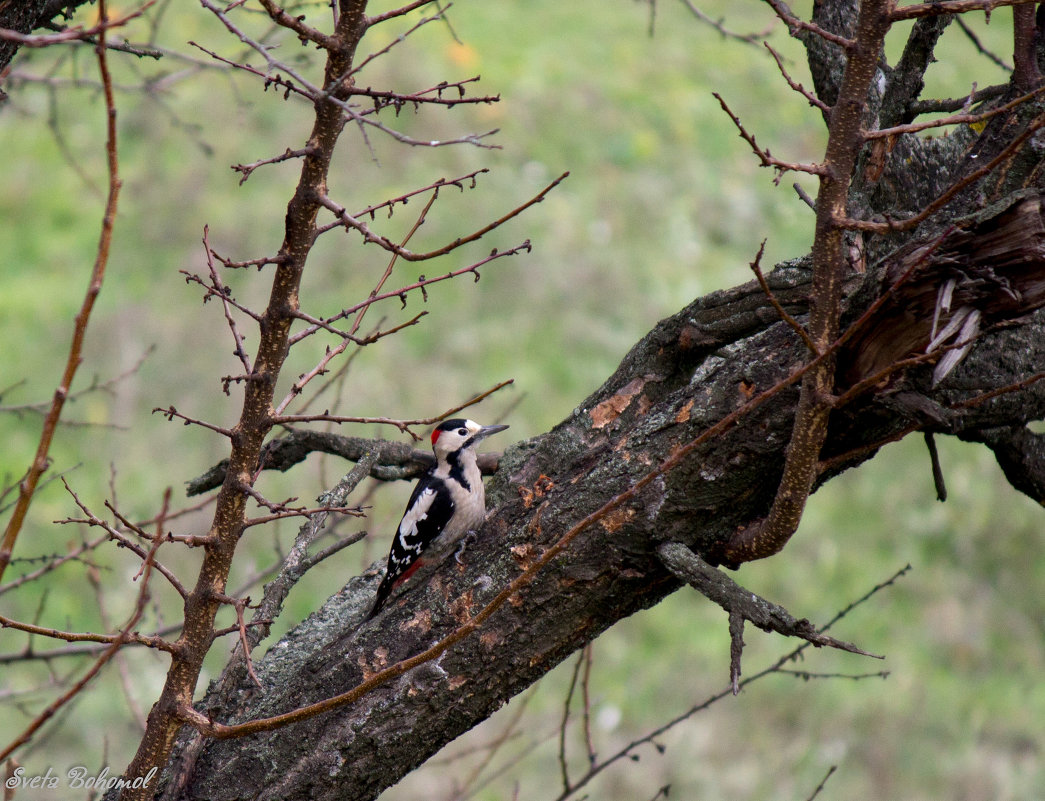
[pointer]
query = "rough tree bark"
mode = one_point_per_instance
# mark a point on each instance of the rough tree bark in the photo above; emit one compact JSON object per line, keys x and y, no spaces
{"x":689,"y":373}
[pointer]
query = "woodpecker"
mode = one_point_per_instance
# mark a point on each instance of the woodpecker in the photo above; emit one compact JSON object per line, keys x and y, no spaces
{"x":447,"y":503}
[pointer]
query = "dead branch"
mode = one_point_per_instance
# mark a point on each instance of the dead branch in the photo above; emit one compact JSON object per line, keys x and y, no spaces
{"x":743,"y":604}
{"x":776,"y":667}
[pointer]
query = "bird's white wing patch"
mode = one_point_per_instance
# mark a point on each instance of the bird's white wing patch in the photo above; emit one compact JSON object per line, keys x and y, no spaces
{"x":417,"y":512}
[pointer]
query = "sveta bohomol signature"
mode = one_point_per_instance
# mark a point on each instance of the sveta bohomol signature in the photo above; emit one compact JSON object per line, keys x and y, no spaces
{"x":77,"y":777}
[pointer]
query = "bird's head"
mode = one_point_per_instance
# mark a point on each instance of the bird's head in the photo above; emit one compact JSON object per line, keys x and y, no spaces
{"x":459,"y":434}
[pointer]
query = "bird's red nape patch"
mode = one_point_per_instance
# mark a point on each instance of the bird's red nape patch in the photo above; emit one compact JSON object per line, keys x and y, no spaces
{"x":435,"y":435}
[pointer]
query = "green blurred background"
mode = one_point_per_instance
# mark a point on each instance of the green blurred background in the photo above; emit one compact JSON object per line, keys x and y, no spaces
{"x":664,"y":203}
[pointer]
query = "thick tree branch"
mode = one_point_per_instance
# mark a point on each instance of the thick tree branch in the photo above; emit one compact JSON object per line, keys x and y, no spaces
{"x":688,"y":375}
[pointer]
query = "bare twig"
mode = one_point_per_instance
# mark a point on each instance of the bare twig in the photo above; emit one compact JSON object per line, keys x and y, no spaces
{"x":126,"y":633}
{"x":298,"y":26}
{"x":377,"y":19}
{"x":775,"y":667}
{"x":85,"y":636}
{"x":108,"y":386}
{"x":94,"y":579}
{"x":767,"y":159}
{"x":719,"y":25}
{"x":814,"y":101}
{"x":937,"y":7}
{"x":170,"y":413}
{"x":247,"y":169}
{"x":349,"y":221}
{"x":971,"y":35}
{"x":954,"y":119}
{"x":223,"y":293}
{"x":823,"y":782}
{"x":371,"y":211}
{"x":40,"y":461}
{"x":796,"y":25}
{"x":402,"y":425}
{"x":784,"y":315}
{"x":564,"y":723}
{"x":122,"y":539}
{"x":54,"y":562}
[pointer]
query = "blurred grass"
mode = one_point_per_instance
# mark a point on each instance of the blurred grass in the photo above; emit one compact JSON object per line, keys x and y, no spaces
{"x":664,"y":203}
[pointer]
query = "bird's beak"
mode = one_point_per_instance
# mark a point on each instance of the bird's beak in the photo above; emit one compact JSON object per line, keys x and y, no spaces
{"x":486,"y":431}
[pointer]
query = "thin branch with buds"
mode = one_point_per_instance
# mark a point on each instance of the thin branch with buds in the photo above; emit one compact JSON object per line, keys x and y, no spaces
{"x":247,"y":169}
{"x":126,"y":633}
{"x":28,"y":485}
{"x":122,"y":539}
{"x":349,"y":221}
{"x":767,"y":159}
{"x":814,"y":101}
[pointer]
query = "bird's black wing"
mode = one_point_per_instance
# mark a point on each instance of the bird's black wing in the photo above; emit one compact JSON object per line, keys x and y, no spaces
{"x":427,"y":512}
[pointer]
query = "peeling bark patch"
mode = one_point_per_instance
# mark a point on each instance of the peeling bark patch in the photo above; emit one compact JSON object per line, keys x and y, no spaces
{"x":683,"y":415}
{"x":457,"y":681}
{"x":377,"y":663}
{"x":617,"y":518}
{"x":460,"y":607}
{"x":747,"y":390}
{"x":490,"y":639}
{"x":541,"y":487}
{"x":692,"y":337}
{"x":644,"y":404}
{"x":524,"y":554}
{"x":611,"y":408}
{"x":422,"y":622}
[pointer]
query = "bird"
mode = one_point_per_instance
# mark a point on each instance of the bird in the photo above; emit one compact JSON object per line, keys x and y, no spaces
{"x":447,"y":503}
